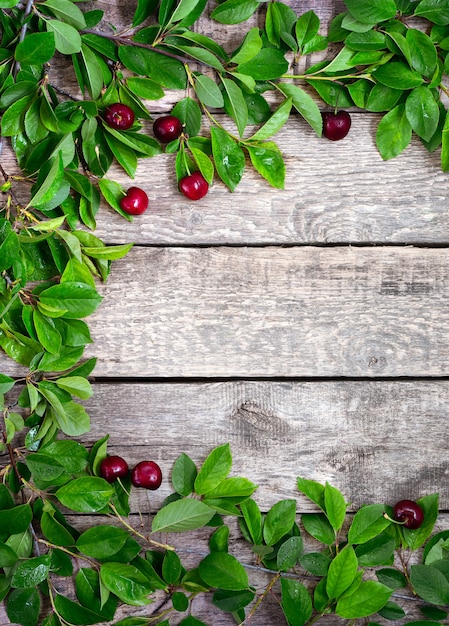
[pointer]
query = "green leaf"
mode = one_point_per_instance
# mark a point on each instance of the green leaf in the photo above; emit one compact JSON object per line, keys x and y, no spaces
{"x":367,"y":599}
{"x":7,"y":555}
{"x":422,"y":112}
{"x":444,"y":145}
{"x":392,"y":578}
{"x":423,"y":54}
{"x":279,"y":521}
{"x":76,"y":385}
{"x":47,"y":332}
{"x":335,"y":506}
{"x":102,"y":541}
{"x":183,"y":475}
{"x":234,"y":11}
{"x":74,"y":300}
{"x":171,"y":567}
{"x":204,"y":164}
{"x":23,"y":605}
{"x":253,"y":520}
{"x":251,"y":46}
{"x":77,"y":614}
{"x":15,"y":520}
{"x":208,"y":91}
{"x":127,"y":583}
{"x":31,"y":572}
{"x":86,"y":494}
{"x":268,"y":64}
{"x":342,"y":572}
{"x":318,"y":526}
{"x":189,"y":113}
{"x":275,"y":122}
{"x":168,"y":72}
{"x":6,"y":383}
{"x":67,"y":12}
{"x":67,"y":38}
{"x":54,"y":531}
{"x":289,"y":553}
{"x":228,"y":157}
{"x":296,"y":602}
{"x":397,"y":75}
{"x":371,"y":11}
{"x":13,"y":119}
{"x":306,"y":28}
{"x":143,"y":10}
{"x":368,"y":522}
{"x":268,"y":161}
{"x":317,"y":563}
{"x":231,"y":601}
{"x":436,"y":11}
{"x":214,"y":470}
{"x":35,"y":49}
{"x":222,"y":570}
{"x":394,"y":133}
{"x":51,"y":183}
{"x":304,"y":104}
{"x":235,"y":105}
{"x":379,"y":550}
{"x":182,"y":515}
{"x":94,"y":74}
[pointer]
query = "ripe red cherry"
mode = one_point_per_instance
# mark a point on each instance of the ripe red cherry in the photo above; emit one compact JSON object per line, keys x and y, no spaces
{"x":135,"y":202}
{"x":147,"y":474}
{"x":167,"y":128}
{"x":336,"y":125}
{"x":113,"y":467}
{"x":194,"y":186}
{"x":409,"y":513}
{"x":119,"y":116}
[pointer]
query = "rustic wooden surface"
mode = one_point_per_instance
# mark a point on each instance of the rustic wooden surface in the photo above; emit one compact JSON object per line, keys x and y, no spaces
{"x":308,"y":326}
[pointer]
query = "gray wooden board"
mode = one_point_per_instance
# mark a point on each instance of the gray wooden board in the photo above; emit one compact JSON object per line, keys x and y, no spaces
{"x":273,"y":312}
{"x":375,"y":441}
{"x":335,"y":192}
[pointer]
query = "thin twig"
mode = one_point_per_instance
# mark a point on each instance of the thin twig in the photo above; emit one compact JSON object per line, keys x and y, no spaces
{"x":23,"y":30}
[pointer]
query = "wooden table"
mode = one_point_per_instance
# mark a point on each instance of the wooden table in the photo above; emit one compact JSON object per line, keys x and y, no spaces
{"x":308,"y":327}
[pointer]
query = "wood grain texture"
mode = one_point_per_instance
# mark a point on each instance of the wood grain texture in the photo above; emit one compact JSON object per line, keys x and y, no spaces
{"x":360,"y":436}
{"x":273,"y":312}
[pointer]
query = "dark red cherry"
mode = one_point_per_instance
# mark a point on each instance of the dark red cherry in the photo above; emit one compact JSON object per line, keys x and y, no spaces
{"x":135,"y":202}
{"x":194,"y":186}
{"x":113,"y":467}
{"x":409,"y":513}
{"x":119,"y":116}
{"x":336,"y":125}
{"x":167,"y":128}
{"x":147,"y":474}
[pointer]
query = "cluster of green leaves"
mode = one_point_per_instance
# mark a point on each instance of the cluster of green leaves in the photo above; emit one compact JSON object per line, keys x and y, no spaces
{"x":318,"y":568}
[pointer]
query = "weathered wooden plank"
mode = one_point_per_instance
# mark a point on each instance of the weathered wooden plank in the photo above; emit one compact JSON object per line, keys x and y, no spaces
{"x":274,"y":312}
{"x":335,"y":192}
{"x":375,"y":441}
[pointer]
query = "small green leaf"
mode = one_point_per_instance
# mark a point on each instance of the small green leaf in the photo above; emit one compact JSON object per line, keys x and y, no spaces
{"x":268,"y":161}
{"x":182,"y":515}
{"x":6,"y":384}
{"x":335,"y":506}
{"x":31,"y":572}
{"x":304,"y":104}
{"x":318,"y":526}
{"x":228,"y":157}
{"x":275,"y":122}
{"x":127,"y":583}
{"x":289,"y":553}
{"x":279,"y":521}
{"x":371,"y":12}
{"x":368,"y":522}
{"x":251,"y":46}
{"x":67,"y":38}
{"x":183,"y":475}
{"x":222,"y":570}
{"x":36,"y":49}
{"x":208,"y":91}
{"x":397,"y":75}
{"x":189,"y":113}
{"x":434,"y":10}
{"x":342,"y":572}
{"x":102,"y":542}
{"x":367,"y":599}
{"x":235,"y":105}
{"x":296,"y":602}
{"x":214,"y":470}
{"x":422,"y":112}
{"x":23,"y":605}
{"x":73,"y":299}
{"x":268,"y":64}
{"x":394,"y":133}
{"x":234,"y":11}
{"x":86,"y":494}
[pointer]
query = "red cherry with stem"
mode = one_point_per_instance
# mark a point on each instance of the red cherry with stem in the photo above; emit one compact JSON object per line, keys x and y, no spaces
{"x":135,"y":202}
{"x":408,"y":513}
{"x":336,"y":125}
{"x":167,"y":128}
{"x":113,"y":467}
{"x":119,"y":116}
{"x":194,"y":186}
{"x":147,"y":474}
